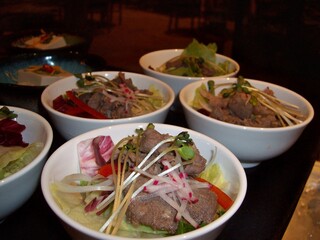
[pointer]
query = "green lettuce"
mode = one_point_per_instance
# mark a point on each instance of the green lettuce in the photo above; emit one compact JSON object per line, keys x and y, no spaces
{"x":197,"y":60}
{"x":214,"y":175}
{"x":196,"y":49}
{"x":128,"y":230}
{"x":198,"y":99}
{"x":13,"y":159}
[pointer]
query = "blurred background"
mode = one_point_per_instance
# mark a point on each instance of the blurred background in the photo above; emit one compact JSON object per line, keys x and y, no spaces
{"x":272,"y":40}
{"x":276,"y":35}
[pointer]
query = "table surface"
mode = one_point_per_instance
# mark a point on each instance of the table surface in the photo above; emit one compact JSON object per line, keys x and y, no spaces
{"x":274,"y":187}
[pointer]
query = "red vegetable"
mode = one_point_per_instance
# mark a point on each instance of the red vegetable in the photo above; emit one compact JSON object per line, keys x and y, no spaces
{"x":47,"y":68}
{"x":85,"y":107}
{"x":10,"y":133}
{"x":223,"y":199}
{"x":63,"y":106}
{"x":106,"y":169}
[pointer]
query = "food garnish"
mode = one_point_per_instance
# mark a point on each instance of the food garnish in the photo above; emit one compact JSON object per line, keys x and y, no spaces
{"x":102,"y":98}
{"x":243,"y":104}
{"x":48,"y":69}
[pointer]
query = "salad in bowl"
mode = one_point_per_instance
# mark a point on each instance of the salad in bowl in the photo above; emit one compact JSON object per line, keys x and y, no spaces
{"x":25,"y":141}
{"x":144,"y":181}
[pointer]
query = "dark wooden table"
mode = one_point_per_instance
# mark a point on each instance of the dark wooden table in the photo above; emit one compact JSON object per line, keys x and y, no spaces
{"x":274,"y":187}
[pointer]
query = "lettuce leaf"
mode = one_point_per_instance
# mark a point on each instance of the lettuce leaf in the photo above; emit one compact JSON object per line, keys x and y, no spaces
{"x":5,"y":112}
{"x":196,"y":60}
{"x":13,"y":159}
{"x":214,"y":175}
{"x":196,"y":49}
{"x":198,"y":99}
{"x":127,"y":229}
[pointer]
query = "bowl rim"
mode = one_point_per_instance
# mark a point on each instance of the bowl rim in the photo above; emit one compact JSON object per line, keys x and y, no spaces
{"x":44,"y":151}
{"x":178,"y":51}
{"x":45,"y":181}
{"x":168,"y":104}
{"x":184,"y":92}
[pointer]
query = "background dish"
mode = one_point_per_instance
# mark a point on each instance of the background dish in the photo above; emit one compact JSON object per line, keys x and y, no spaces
{"x":70,"y":62}
{"x":74,"y":42}
{"x":157,"y":58}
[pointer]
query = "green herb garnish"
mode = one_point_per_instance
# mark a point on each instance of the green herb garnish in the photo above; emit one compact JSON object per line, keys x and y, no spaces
{"x":5,"y":112}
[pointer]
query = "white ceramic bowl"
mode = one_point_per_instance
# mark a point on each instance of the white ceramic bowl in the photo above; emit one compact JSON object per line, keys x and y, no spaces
{"x":251,"y":145}
{"x":56,"y":168}
{"x":17,"y":188}
{"x":71,"y":126}
{"x":157,"y":58}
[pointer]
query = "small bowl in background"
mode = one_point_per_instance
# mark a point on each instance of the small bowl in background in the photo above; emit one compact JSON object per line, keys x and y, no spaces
{"x":252,"y":145}
{"x":17,"y":188}
{"x":157,"y":58}
{"x":71,"y":126}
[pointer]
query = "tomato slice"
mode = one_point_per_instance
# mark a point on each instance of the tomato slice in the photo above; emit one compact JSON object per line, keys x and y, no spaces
{"x":223,"y":199}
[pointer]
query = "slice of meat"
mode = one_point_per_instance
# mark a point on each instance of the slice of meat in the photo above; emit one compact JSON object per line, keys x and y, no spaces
{"x":239,"y":105}
{"x":204,"y":210}
{"x":198,"y":164}
{"x":150,"y":138}
{"x":153,"y":211}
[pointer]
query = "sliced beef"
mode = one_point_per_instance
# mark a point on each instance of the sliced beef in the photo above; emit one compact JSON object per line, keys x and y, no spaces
{"x":150,"y":209}
{"x":197,"y":166}
{"x":120,"y":79}
{"x":102,"y":104}
{"x":204,"y":210}
{"x":150,"y":138}
{"x":175,"y":63}
{"x":96,"y":100}
{"x":159,"y":215}
{"x":239,"y":105}
{"x":153,"y":212}
{"x":237,"y":109}
{"x":117,"y":110}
